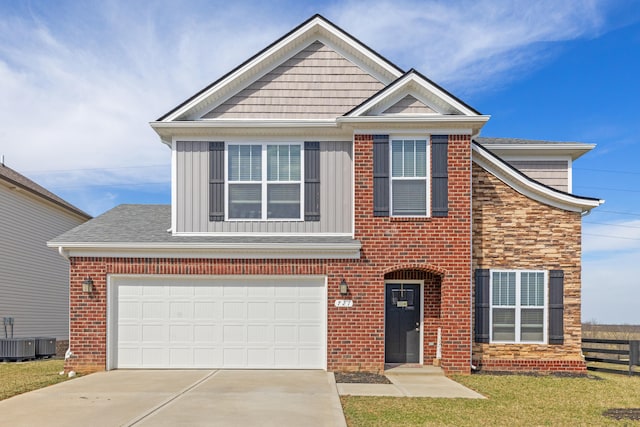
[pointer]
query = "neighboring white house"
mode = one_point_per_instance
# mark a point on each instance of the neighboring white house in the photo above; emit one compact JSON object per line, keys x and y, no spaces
{"x":34,"y":280}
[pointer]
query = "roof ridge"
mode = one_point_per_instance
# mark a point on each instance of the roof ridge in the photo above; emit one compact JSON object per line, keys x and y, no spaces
{"x":10,"y":175}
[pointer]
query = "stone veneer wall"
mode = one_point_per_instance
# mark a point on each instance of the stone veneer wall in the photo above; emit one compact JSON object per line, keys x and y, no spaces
{"x":511,"y":231}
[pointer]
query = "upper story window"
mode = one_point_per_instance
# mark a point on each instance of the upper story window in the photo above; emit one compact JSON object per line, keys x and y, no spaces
{"x":518,"y":306}
{"x":264,"y":181}
{"x":409,"y":178}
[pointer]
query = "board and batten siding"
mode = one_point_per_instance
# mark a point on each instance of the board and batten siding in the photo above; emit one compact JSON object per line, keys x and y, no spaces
{"x":554,"y":173}
{"x":34,"y":279}
{"x":317,"y":82}
{"x":336,"y":196}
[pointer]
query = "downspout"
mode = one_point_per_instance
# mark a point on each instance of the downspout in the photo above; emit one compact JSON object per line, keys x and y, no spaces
{"x":473,"y":367}
{"x":68,"y":353}
{"x":63,"y":253}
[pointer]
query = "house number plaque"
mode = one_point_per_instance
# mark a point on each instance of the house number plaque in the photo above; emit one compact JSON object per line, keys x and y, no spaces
{"x":344,"y":303}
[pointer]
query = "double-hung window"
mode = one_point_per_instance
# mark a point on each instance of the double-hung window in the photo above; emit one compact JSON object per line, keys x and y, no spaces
{"x":409,"y":178}
{"x":518,"y":308}
{"x":264,"y":181}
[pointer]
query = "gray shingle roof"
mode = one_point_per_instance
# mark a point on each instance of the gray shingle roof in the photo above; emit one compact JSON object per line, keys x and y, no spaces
{"x":149,"y":224}
{"x":14,"y":178}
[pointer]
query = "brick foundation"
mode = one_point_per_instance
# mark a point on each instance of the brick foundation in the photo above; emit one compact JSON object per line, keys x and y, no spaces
{"x":525,"y":365}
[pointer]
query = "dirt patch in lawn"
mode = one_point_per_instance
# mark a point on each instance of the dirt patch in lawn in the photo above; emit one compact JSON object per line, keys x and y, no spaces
{"x":361,"y":378}
{"x":623,"y":413}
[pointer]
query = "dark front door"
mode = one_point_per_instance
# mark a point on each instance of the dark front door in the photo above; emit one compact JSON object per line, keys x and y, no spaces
{"x":402,"y":323}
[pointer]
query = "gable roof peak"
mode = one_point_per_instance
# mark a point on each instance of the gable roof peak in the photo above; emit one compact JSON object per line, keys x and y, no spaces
{"x":414,"y":83}
{"x":316,"y":28}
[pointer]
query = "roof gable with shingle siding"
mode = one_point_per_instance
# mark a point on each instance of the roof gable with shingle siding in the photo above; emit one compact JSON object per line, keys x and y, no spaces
{"x":317,"y":82}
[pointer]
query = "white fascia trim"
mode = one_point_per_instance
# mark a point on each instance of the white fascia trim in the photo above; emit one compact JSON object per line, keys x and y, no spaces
{"x":473,"y":120}
{"x":214,"y":251}
{"x":532,"y":189}
{"x":311,"y":27}
{"x":236,"y":234}
{"x":401,"y":85}
{"x":248,"y":123}
{"x":574,"y":150}
{"x":412,"y":131}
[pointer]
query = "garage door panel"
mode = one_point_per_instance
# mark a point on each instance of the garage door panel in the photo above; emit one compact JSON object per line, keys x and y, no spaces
{"x":234,"y":357}
{"x":262,"y":310}
{"x":259,"y":334}
{"x":151,"y":291}
{"x":154,"y":310}
{"x":206,"y":334}
{"x":310,"y":310}
{"x":205,"y":310}
{"x":167,"y":322}
{"x":234,"y":310}
{"x":286,"y":310}
{"x":286,"y":334}
{"x":234,"y":333}
{"x":260,"y":357}
{"x":185,"y":291}
{"x":309,"y":334}
{"x":181,"y":310}
{"x":181,"y":333}
{"x":154,"y":334}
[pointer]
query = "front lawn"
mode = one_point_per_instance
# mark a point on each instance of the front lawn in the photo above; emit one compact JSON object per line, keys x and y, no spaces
{"x":20,"y":377}
{"x":511,"y":400}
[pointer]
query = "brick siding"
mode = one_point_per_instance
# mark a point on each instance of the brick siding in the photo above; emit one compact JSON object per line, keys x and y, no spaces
{"x":436,"y":250}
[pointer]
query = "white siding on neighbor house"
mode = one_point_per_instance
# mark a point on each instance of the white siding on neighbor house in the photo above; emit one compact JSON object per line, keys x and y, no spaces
{"x":409,"y":105}
{"x":34,"y":279}
{"x":554,"y":173}
{"x":316,"y":83}
{"x":193,"y":194}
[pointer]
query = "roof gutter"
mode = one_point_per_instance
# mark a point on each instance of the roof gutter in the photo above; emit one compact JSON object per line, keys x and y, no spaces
{"x":211,"y":250}
{"x":530,"y":187}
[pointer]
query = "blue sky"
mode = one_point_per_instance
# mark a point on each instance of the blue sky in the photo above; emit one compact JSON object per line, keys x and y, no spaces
{"x":79,"y":82}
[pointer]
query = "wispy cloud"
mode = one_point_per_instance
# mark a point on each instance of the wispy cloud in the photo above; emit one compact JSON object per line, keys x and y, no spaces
{"x":613,"y":236}
{"x":471,"y":45}
{"x":81,"y":80}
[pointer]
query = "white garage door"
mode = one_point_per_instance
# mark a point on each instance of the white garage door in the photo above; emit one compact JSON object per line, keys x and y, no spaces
{"x":164,"y":322}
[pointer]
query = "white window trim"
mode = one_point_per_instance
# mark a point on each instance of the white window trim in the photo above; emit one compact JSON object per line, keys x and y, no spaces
{"x":263,"y":182}
{"x":518,"y":307}
{"x":428,"y":177}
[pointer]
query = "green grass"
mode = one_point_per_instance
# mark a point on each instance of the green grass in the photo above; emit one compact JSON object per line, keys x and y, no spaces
{"x":21,"y":377}
{"x":511,"y":400}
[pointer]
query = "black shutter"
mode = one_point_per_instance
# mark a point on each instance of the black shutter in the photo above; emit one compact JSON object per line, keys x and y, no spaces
{"x":439,"y":176}
{"x":312,"y":181}
{"x":216,"y":181}
{"x":556,"y":307}
{"x":381,"y":175}
{"x":482,"y":306}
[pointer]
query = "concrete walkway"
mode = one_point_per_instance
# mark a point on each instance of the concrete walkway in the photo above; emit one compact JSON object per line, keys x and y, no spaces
{"x":423,"y":381}
{"x":181,"y":398}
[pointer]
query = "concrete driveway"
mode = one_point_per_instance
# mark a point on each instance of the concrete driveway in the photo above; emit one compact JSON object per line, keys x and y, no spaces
{"x":182,"y":398}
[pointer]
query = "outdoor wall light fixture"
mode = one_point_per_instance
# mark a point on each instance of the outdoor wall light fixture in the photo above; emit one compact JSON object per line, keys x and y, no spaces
{"x":87,"y":285}
{"x":344,"y":288}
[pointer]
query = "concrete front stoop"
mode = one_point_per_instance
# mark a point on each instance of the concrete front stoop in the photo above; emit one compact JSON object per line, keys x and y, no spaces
{"x":412,"y":381}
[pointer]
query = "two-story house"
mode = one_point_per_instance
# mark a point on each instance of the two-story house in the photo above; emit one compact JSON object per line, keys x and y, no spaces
{"x":332,"y":211}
